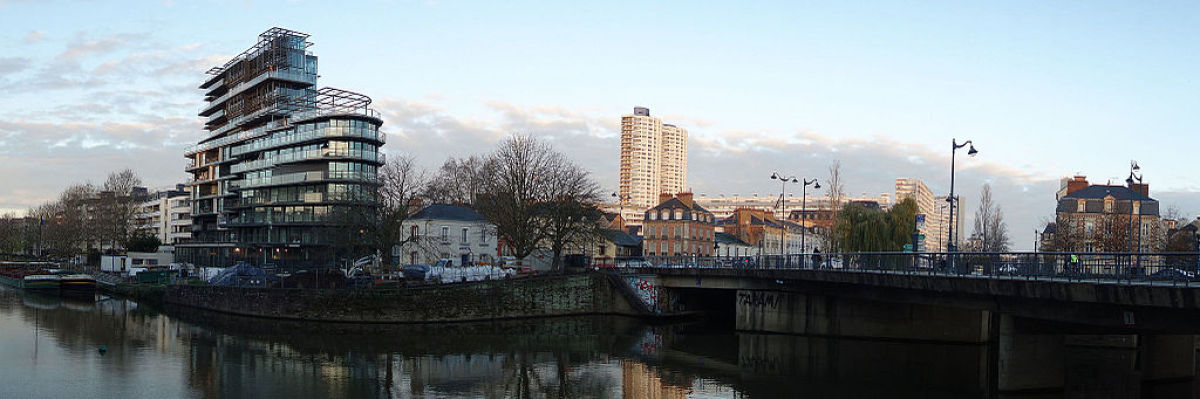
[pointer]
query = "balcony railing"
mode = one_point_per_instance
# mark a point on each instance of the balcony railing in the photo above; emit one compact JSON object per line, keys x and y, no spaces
{"x":308,"y":135}
{"x":308,"y":155}
{"x":307,"y":177}
{"x":246,"y":135}
{"x":302,"y":77}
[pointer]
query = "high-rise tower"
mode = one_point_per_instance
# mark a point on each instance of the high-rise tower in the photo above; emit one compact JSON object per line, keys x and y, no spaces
{"x":281,"y":159}
{"x":653,"y":162}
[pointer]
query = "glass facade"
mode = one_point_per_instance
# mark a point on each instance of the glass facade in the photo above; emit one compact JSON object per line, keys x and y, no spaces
{"x":284,"y":163}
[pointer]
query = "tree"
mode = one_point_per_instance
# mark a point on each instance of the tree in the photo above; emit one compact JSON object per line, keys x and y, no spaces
{"x":872,"y":230}
{"x":458,"y":181}
{"x":372,"y":221}
{"x":115,"y":207}
{"x":989,"y":224}
{"x":536,"y":197}
{"x":833,"y":197}
{"x":143,"y":243}
{"x":569,"y":215}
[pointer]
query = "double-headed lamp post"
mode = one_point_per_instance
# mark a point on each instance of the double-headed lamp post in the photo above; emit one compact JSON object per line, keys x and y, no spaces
{"x":1133,"y":176}
{"x":951,"y":245}
{"x":804,"y":208}
{"x":621,"y":199}
{"x":782,"y":204}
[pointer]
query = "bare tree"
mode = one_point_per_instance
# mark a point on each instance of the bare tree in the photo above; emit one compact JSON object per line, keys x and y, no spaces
{"x":569,"y":215}
{"x":371,"y":221}
{"x":537,"y":198}
{"x":514,"y":190}
{"x":834,"y":193}
{"x":990,"y":227}
{"x":458,"y":181}
{"x":115,"y":208}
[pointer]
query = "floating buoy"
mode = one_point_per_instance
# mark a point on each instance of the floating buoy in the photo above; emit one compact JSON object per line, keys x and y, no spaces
{"x":103,"y":349}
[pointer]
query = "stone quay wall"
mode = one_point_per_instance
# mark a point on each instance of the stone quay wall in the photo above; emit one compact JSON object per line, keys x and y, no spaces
{"x":486,"y":300}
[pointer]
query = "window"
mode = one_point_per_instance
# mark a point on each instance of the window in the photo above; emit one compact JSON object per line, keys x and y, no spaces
{"x":665,"y":214}
{"x":464,"y":235}
{"x":412,"y":232}
{"x":482,"y":236}
{"x":1080,"y":205}
{"x":653,"y":215}
{"x":679,"y":214}
{"x":445,"y":234}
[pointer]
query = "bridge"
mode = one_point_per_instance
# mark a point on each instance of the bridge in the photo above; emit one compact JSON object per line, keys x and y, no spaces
{"x":1031,"y":304}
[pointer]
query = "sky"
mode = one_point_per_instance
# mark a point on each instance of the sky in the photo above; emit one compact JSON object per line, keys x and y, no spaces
{"x":1043,"y":89}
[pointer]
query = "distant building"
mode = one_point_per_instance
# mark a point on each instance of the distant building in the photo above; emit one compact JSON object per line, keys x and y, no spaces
{"x":616,"y":245}
{"x":678,"y":226}
{"x":653,"y":161}
{"x":935,"y":210}
{"x":454,"y":232}
{"x":728,"y":245}
{"x":760,"y":228}
{"x":165,"y":214}
{"x":1097,"y":217}
{"x":723,"y":206}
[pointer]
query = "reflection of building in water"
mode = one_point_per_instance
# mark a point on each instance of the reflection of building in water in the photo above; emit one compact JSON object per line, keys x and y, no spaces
{"x":640,"y":381}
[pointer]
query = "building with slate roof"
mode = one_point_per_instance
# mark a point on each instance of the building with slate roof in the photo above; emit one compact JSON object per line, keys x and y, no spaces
{"x":678,"y":227}
{"x":1100,"y":215}
{"x":441,"y":231}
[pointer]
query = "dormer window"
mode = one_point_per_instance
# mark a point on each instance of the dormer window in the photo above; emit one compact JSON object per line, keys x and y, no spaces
{"x":679,"y":214}
{"x":653,"y":215}
{"x":1108,"y":204}
{"x":1080,"y":205}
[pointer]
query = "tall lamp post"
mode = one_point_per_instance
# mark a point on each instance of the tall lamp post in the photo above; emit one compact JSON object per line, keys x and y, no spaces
{"x":1133,"y":176}
{"x":621,"y":199}
{"x":782,"y":204}
{"x":954,"y":146}
{"x":804,"y":207}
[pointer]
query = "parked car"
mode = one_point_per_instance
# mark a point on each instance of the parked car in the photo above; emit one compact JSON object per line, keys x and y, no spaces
{"x":1007,"y":269}
{"x":1173,"y":274}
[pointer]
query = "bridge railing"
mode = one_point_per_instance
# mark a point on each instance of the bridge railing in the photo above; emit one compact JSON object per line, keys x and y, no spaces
{"x":1124,"y":267}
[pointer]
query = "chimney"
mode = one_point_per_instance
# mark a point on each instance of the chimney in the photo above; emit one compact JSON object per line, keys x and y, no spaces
{"x":664,"y":197}
{"x":686,"y":198}
{"x":1079,"y":182}
{"x":1140,"y":188}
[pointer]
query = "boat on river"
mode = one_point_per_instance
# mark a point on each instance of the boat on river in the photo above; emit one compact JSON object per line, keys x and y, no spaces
{"x":77,"y":285}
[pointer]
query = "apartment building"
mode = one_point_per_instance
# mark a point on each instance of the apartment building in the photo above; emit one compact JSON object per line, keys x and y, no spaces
{"x":281,"y":160}
{"x":165,"y":214}
{"x":653,"y":161}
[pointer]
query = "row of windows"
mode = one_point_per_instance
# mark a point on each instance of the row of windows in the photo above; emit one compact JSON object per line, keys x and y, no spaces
{"x":285,"y":214}
{"x":444,"y":234}
{"x":666,"y":214}
{"x":312,"y":193}
{"x":677,"y":232}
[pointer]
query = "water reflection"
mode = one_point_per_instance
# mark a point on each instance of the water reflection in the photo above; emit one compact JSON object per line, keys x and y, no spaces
{"x":48,"y":348}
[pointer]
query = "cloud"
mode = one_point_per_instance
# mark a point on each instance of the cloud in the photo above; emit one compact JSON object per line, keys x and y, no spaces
{"x":83,"y":45}
{"x":34,"y":36}
{"x":13,"y":65}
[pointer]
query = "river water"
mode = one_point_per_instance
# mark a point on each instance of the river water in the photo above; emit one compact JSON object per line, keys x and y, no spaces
{"x":49,"y":349}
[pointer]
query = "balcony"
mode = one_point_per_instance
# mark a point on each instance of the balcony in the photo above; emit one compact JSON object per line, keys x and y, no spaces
{"x":296,"y":178}
{"x":301,"y":77}
{"x":246,"y":135}
{"x":306,"y":156}
{"x":293,"y":138}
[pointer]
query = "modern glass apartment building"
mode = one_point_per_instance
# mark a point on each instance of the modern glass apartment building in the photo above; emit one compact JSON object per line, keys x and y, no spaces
{"x":283,"y":165}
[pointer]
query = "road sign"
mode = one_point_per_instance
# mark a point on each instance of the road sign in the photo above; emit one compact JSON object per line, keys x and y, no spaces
{"x":920,"y":221}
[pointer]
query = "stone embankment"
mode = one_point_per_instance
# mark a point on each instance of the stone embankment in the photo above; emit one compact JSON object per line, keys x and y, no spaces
{"x":543,"y":296}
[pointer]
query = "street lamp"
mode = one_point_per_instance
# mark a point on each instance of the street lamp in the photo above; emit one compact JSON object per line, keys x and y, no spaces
{"x":782,"y":204}
{"x":803,"y":208}
{"x":954,"y":146}
{"x":1133,"y":175}
{"x":621,"y":201}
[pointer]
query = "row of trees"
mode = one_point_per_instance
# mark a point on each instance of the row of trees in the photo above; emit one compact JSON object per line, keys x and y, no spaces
{"x":537,"y":198}
{"x":83,"y":217}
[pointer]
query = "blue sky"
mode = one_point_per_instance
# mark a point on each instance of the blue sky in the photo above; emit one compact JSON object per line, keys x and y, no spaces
{"x":1045,"y":89}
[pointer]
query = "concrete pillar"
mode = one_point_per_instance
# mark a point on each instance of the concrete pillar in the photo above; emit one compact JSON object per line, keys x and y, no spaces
{"x":785,"y":312}
{"x":1029,"y":365}
{"x":1168,"y":365}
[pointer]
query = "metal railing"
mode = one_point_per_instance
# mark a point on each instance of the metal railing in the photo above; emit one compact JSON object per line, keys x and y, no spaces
{"x":1101,"y":267}
{"x":298,"y":156}
{"x":296,"y":137}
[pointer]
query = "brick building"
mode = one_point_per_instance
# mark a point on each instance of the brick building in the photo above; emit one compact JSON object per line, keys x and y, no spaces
{"x":678,"y":227}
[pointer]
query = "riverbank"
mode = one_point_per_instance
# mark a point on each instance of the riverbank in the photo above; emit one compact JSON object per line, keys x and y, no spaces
{"x":542,"y":296}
